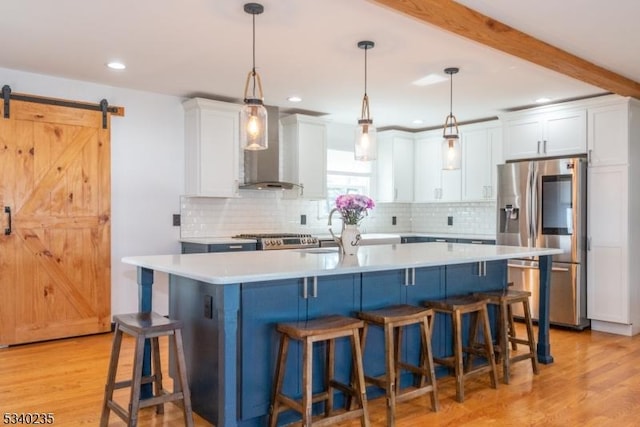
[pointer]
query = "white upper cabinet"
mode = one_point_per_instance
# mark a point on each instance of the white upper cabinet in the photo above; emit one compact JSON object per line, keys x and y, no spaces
{"x":432,"y":183}
{"x":395,"y":167}
{"x":608,"y":135}
{"x":545,"y":133}
{"x":304,"y":143}
{"x":212,"y":138}
{"x":481,"y":153}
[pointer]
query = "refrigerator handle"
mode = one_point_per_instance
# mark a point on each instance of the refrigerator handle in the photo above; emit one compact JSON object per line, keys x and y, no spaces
{"x":534,"y":206}
{"x":529,"y":198}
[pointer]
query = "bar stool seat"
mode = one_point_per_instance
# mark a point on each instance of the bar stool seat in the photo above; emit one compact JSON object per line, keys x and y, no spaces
{"x":506,"y":330}
{"x":393,"y":319}
{"x":323,"y":329}
{"x":144,"y":326}
{"x":456,"y":307}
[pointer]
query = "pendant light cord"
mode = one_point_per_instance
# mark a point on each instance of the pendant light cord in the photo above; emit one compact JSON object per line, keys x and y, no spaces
{"x":365,"y":70}
{"x":253,"y":68}
{"x":451,"y":100}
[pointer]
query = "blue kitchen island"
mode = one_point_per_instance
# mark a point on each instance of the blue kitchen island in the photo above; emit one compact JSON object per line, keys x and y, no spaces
{"x":231,"y":302}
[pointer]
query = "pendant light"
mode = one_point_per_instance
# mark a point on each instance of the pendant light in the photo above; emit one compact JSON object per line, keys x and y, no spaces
{"x":451,"y":150}
{"x":253,"y":116}
{"x":365,"y":147}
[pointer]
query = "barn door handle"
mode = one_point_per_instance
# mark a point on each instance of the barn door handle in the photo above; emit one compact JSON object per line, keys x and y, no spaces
{"x":7,"y":210}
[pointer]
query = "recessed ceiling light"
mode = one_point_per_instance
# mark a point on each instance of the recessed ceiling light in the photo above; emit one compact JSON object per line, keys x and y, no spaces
{"x":114,"y":65}
{"x":418,"y":122}
{"x":294,"y":99}
{"x":429,"y":79}
{"x":542,"y":100}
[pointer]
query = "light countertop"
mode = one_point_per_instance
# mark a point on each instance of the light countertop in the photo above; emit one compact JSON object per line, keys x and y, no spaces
{"x":252,"y":266}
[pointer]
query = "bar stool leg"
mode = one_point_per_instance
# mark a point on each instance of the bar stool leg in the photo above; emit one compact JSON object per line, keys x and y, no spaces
{"x":307,"y":375}
{"x":512,"y":327}
{"x":428,"y":364}
{"x":182,"y":377}
{"x":330,"y":369}
{"x":505,"y":341}
{"x":111,"y":376}
{"x":356,"y":351}
{"x":157,"y":372}
{"x":457,"y":354}
{"x":277,"y":386}
{"x":532,"y":344}
{"x":489,"y":347}
{"x":390,"y":366}
{"x":134,"y":406}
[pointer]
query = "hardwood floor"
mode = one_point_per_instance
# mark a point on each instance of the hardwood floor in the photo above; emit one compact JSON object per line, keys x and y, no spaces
{"x":595,"y":381}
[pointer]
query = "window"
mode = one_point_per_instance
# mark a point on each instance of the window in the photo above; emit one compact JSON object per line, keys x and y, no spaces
{"x":345,"y":176}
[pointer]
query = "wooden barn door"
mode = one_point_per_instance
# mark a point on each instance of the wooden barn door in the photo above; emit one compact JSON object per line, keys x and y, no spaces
{"x":55,"y":235}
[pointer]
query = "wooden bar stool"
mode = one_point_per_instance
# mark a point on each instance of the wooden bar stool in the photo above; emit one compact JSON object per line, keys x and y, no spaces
{"x":324,"y":329}
{"x":144,"y":326}
{"x":506,"y":329}
{"x":393,"y":319}
{"x":456,"y":307}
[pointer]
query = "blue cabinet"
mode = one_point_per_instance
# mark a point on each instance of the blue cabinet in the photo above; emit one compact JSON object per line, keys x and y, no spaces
{"x":264,"y":304}
{"x":411,"y":286}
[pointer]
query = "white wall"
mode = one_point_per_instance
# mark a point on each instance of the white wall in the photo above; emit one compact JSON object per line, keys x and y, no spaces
{"x":147,"y":174}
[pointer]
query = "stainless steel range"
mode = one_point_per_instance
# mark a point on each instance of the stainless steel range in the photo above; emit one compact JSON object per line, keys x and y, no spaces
{"x":267,"y":242}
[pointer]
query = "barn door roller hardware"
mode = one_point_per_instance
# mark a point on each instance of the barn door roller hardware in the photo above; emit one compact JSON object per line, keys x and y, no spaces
{"x":103,"y":106}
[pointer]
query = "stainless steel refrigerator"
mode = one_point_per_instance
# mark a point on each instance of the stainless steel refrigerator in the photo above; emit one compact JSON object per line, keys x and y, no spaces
{"x":542,"y":203}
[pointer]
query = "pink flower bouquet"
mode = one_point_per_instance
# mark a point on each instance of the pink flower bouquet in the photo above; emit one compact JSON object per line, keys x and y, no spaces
{"x":353,"y":207}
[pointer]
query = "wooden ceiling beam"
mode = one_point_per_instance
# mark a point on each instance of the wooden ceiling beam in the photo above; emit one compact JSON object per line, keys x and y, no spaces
{"x":461,"y":20}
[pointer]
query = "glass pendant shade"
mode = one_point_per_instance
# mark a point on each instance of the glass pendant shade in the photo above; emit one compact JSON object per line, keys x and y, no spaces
{"x":451,"y":153}
{"x":253,"y":125}
{"x":366,"y":148}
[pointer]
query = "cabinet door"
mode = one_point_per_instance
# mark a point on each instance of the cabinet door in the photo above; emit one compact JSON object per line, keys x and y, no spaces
{"x":523,"y":137}
{"x":304,"y":154}
{"x":211,"y":148}
{"x":264,"y":304}
{"x":608,"y":135}
{"x":312,"y":160}
{"x":333,"y":295}
{"x":565,"y":133}
{"x":403,"y":169}
{"x":608,"y":291}
{"x":476,"y":164}
{"x":427,"y":169}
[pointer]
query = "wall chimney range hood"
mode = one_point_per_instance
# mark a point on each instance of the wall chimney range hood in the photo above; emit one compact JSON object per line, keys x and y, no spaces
{"x":262,"y":169}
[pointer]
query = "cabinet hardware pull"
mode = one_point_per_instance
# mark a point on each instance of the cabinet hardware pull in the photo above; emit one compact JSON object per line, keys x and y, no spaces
{"x":589,"y":243}
{"x":406,"y":277}
{"x":476,"y":242}
{"x":544,"y":146}
{"x":589,"y":156}
{"x":235,"y":247}
{"x":538,"y":149}
{"x":305,"y":293}
{"x":314,"y":293}
{"x":7,"y":210}
{"x":413,"y":277}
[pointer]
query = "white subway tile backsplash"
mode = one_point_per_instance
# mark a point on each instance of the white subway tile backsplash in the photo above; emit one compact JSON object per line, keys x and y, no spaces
{"x":267,"y":211}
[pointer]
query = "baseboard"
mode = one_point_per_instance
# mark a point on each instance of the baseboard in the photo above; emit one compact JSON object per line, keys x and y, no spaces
{"x":613,"y":328}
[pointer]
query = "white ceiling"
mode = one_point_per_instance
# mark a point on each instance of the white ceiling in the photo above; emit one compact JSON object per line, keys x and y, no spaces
{"x":308,"y":48}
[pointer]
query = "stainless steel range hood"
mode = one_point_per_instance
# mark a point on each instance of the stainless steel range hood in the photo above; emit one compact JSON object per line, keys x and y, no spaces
{"x":262,"y":169}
